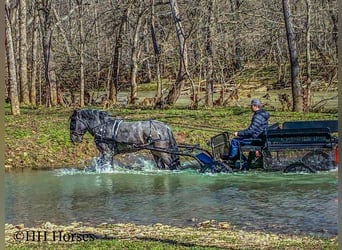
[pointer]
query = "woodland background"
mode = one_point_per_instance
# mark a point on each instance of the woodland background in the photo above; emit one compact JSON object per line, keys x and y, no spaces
{"x":85,"y":52}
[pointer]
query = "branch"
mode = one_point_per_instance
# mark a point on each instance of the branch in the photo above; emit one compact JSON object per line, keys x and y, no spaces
{"x":322,"y":102}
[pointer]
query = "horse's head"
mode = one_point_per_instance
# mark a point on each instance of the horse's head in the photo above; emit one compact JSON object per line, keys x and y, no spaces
{"x":78,"y":127}
{"x":84,"y":120}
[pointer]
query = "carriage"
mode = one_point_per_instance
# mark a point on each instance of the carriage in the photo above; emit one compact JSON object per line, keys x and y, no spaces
{"x":308,"y":146}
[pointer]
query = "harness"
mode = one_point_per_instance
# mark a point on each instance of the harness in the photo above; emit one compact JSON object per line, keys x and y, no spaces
{"x":116,"y":128}
{"x":101,"y":135}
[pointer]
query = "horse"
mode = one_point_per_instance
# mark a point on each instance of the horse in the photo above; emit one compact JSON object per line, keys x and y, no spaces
{"x":115,"y":136}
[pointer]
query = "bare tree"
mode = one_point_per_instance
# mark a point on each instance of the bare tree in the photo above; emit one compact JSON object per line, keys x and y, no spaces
{"x":235,"y":8}
{"x":13,"y":84}
{"x":98,"y":56}
{"x":45,"y":8}
{"x":156,"y":51}
{"x":135,"y":53}
{"x":210,"y":56}
{"x":24,"y":87}
{"x":183,"y":55}
{"x":118,"y":37}
{"x":80,"y":8}
{"x":34,"y":54}
{"x":307,"y":89}
{"x":297,"y":93}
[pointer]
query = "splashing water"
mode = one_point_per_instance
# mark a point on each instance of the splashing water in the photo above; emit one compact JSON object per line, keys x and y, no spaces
{"x":98,"y":166}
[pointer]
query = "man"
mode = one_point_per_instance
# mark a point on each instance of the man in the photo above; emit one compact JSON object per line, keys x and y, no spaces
{"x":258,"y":124}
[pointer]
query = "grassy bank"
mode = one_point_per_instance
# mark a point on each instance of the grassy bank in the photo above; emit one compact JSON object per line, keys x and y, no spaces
{"x":206,"y":235}
{"x":39,"y":137}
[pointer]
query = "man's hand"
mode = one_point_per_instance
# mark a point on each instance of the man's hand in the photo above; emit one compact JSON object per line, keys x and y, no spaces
{"x":235,"y":133}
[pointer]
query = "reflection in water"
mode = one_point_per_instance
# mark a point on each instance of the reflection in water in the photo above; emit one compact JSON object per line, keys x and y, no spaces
{"x":302,"y":203}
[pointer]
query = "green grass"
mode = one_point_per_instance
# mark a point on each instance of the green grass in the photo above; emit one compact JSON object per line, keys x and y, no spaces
{"x":39,"y":137}
{"x":114,"y":244}
{"x":158,"y":236}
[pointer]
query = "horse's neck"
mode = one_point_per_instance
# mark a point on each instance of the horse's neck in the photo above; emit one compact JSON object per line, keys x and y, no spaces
{"x":94,"y":125}
{"x":102,"y":127}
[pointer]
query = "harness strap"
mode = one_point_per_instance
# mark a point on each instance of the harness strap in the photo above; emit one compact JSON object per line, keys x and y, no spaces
{"x":149,"y":138}
{"x":115,"y":128}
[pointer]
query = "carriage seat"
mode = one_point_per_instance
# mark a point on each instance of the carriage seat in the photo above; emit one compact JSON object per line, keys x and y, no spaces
{"x":257,"y":143}
{"x":299,"y":138}
{"x":253,"y":145}
{"x":331,"y":125}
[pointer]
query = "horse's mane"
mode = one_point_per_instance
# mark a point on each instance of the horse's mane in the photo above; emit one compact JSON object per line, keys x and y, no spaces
{"x":94,"y":114}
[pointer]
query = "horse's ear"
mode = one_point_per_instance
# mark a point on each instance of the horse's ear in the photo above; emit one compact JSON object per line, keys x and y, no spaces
{"x":74,"y":112}
{"x":102,"y":114}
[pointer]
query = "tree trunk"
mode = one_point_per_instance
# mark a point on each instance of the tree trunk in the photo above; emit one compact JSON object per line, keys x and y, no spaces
{"x":334,"y":19}
{"x":114,"y":83}
{"x":49,"y":63}
{"x":307,"y":89}
{"x":210,"y":56}
{"x":24,"y":87}
{"x":81,"y":37}
{"x":235,"y":5}
{"x":13,"y":84}
{"x":174,"y":93}
{"x":297,"y":95}
{"x":134,"y":58}
{"x":34,"y":67}
{"x":146,"y":67}
{"x":159,"y":94}
{"x":98,"y":64}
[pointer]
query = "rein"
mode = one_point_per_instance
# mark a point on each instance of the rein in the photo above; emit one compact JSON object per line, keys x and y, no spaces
{"x":86,"y":125}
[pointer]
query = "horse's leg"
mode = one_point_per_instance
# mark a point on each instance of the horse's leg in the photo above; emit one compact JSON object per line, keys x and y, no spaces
{"x":161,"y":136}
{"x":106,"y":154}
{"x":107,"y":159}
{"x":158,"y":160}
{"x":165,"y":160}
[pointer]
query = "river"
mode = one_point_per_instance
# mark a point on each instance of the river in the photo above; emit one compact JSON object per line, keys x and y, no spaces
{"x":275,"y":202}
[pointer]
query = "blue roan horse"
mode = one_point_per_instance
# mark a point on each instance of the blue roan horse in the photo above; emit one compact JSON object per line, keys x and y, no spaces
{"x":115,"y":136}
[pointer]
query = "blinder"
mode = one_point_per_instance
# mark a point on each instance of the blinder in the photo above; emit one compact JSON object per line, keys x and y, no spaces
{"x":74,"y":119}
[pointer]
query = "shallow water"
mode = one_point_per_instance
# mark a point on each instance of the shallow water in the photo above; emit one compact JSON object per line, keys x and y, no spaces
{"x":275,"y":202}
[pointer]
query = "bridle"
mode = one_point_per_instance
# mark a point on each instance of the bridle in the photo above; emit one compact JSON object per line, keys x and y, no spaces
{"x":77,"y":131}
{"x":86,"y":124}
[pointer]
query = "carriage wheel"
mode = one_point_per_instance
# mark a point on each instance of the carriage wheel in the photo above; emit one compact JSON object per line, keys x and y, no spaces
{"x":267,"y":160}
{"x":225,"y":167}
{"x":255,"y":161}
{"x":206,"y":168}
{"x":317,"y":159}
{"x":299,"y":167}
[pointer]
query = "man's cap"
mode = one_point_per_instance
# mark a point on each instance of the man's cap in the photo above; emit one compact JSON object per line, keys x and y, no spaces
{"x":256,"y":102}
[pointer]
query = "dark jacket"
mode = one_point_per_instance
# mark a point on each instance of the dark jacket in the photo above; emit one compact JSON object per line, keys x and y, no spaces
{"x":258,"y":124}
